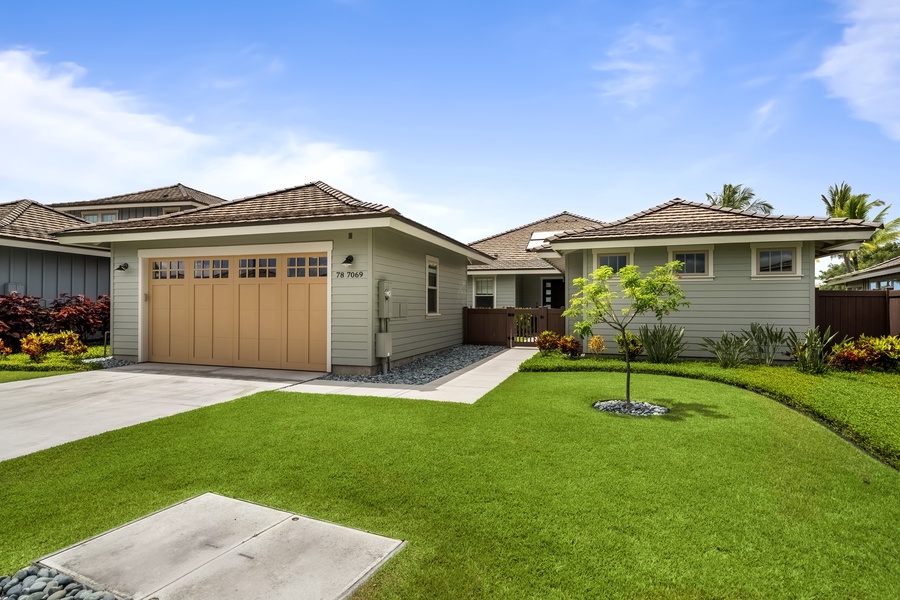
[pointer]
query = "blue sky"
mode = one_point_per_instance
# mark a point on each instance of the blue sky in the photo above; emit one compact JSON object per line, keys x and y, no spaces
{"x":471,"y":117}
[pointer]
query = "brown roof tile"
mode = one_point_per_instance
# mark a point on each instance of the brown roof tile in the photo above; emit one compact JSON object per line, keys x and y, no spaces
{"x":888,"y":267}
{"x":312,"y":201}
{"x":682,"y":218}
{"x":510,"y":247}
{"x":172,"y":193}
{"x":30,"y":220}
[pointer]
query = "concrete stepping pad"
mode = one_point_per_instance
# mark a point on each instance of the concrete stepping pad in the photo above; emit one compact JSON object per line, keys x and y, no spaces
{"x":213,"y":547}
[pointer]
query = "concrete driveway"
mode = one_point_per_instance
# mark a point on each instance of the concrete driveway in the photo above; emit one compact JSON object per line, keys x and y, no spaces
{"x":40,"y":413}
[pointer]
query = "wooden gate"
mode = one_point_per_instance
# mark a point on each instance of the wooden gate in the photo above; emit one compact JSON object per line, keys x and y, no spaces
{"x":510,"y":327}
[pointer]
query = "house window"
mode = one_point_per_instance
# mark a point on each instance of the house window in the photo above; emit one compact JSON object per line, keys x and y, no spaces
{"x":614,"y":261}
{"x":777,"y":261}
{"x":170,"y":210}
{"x":695,"y":263}
{"x":100,"y":216}
{"x":432,"y":265}
{"x":484,"y":292}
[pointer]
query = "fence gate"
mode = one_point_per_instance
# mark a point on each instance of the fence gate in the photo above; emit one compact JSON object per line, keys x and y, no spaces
{"x":510,"y":327}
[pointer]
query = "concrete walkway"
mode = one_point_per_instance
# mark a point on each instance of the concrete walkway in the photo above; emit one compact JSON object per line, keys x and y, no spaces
{"x":466,"y":385}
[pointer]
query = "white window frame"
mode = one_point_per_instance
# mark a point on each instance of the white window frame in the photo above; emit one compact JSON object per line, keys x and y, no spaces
{"x":475,"y":279}
{"x":99,"y":214}
{"x":708,"y":250}
{"x":755,"y":249}
{"x":429,"y":260}
{"x":627,"y":252}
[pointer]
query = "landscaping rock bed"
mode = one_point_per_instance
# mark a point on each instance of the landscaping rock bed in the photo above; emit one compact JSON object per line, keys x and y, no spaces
{"x":39,"y":583}
{"x":428,"y":368}
{"x":109,"y":362}
{"x":635,"y":409}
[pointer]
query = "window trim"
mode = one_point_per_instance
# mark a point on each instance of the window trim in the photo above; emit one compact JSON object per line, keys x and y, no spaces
{"x":596,"y":253}
{"x":429,"y":260}
{"x":710,"y":261}
{"x":475,"y":279}
{"x":100,"y":214}
{"x":171,"y":210}
{"x":755,"y":249}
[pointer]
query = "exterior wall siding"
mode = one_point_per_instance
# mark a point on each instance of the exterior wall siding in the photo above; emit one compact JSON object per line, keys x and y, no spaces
{"x":732,"y":300}
{"x":505,"y":292}
{"x":400,"y":259}
{"x":50,"y":274}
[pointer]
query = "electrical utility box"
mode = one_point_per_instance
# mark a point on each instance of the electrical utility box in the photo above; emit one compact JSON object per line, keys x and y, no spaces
{"x":385,"y":302}
{"x":383,"y":345}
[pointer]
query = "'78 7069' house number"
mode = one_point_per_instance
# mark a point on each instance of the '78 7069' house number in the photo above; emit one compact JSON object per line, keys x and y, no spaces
{"x":350,"y":274}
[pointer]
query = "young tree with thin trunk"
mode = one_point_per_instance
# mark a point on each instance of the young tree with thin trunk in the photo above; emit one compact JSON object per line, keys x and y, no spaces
{"x":657,"y":293}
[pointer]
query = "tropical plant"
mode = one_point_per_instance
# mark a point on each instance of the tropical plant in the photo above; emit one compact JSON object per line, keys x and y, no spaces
{"x":547,"y":342}
{"x":657,"y":293}
{"x":739,"y":198}
{"x":597,"y":345}
{"x":628,"y":343}
{"x":882,"y":353}
{"x":810,"y":352}
{"x":730,"y":350}
{"x":841,"y":202}
{"x":663,"y":343}
{"x":19,"y":316}
{"x":570,"y":346}
{"x":765,"y":342}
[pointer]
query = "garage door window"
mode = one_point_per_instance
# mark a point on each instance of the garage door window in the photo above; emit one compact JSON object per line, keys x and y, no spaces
{"x":318,"y":266}
{"x":296,"y":266}
{"x":167,"y":269}
{"x":207,"y":268}
{"x":250,"y":268}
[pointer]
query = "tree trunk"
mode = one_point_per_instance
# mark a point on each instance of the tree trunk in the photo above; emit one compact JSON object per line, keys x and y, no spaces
{"x":627,"y":370}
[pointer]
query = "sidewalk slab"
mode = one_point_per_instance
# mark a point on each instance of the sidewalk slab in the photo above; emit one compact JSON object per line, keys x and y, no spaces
{"x":216,"y":547}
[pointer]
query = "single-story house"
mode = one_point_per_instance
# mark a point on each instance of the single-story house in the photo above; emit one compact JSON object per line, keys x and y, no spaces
{"x":34,"y":263}
{"x":739,"y":267}
{"x":305,"y":278}
{"x":147,"y":203}
{"x":517,"y":277}
{"x":883,"y":276}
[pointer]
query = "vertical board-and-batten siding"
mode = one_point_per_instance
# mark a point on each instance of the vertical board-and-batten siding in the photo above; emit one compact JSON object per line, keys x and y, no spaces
{"x":49,"y":274}
{"x":400,"y":259}
{"x":731,"y":300}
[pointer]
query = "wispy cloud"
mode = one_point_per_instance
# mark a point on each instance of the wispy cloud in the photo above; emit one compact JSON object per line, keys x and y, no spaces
{"x":864,"y":69}
{"x":641,"y":61}
{"x":767,"y":118}
{"x":67,"y":141}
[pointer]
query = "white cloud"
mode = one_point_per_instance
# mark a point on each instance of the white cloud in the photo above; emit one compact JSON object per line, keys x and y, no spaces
{"x":864,"y":69}
{"x":64,"y":141}
{"x":642,"y":61}
{"x":767,"y":119}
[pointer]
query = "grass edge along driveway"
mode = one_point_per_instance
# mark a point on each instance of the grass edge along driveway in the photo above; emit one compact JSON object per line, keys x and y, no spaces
{"x":529,"y":493}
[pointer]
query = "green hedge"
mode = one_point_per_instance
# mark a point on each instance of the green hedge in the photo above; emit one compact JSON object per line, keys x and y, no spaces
{"x":52,"y":361}
{"x":862,"y":407}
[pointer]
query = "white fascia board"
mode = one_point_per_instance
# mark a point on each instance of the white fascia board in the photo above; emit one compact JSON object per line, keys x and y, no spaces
{"x":437,"y":240}
{"x":792,"y":236}
{"x":545,"y":254}
{"x":192,"y":233}
{"x":479,"y":272}
{"x":51,"y":247}
{"x":867,"y":275}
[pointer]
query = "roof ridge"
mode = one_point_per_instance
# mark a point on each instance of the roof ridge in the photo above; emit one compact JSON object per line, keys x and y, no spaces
{"x":348,"y":199}
{"x":508,"y":231}
{"x":16,"y":212}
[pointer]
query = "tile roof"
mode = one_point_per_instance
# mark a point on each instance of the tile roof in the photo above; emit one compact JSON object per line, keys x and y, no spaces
{"x":888,"y":267}
{"x":30,"y":220}
{"x":510,"y":247}
{"x":312,"y":201}
{"x":683,"y":218}
{"x":172,"y":193}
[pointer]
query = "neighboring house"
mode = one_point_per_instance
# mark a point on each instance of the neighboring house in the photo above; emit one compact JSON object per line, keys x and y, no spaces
{"x":34,"y":263}
{"x":518,"y":277}
{"x":148,"y":203}
{"x":292,"y":279}
{"x":883,"y":276}
{"x":740,"y":267}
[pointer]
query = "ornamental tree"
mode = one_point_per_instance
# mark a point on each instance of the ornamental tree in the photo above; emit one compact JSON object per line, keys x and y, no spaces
{"x":658,"y":292}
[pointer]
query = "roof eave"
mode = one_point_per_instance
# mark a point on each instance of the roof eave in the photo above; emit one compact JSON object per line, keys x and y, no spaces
{"x":825,"y":235}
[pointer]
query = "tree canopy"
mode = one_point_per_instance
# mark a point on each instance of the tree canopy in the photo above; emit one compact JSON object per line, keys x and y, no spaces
{"x":841,"y":202}
{"x":739,"y":197}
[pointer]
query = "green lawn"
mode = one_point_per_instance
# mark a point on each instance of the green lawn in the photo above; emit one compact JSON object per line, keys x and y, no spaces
{"x":20,"y":375}
{"x":529,"y":493}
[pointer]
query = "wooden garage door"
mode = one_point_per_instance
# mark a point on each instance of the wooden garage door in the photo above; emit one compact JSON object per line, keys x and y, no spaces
{"x":266,"y":311}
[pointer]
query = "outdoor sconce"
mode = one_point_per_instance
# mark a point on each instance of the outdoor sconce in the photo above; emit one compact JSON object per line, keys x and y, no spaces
{"x":122,"y":267}
{"x":347,"y":261}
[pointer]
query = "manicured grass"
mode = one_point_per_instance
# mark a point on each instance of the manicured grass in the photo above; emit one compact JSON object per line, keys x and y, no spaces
{"x":864,"y":407}
{"x":52,"y":361}
{"x":529,"y":493}
{"x":20,"y":375}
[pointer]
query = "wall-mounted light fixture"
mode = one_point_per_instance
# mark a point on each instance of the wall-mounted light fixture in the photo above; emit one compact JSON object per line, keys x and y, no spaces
{"x":347,"y":261}
{"x":122,"y":267}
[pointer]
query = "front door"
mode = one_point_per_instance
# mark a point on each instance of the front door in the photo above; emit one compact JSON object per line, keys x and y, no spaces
{"x":554,"y":293}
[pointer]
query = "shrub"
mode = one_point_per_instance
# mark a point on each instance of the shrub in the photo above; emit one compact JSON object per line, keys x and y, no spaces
{"x":548,"y":341}
{"x":663,"y":343}
{"x":882,"y":353}
{"x":570,"y":346}
{"x":19,"y":316}
{"x":635,"y":348}
{"x":80,"y":314}
{"x":36,"y":345}
{"x":765,"y":342}
{"x":597,"y":345}
{"x":730,"y":350}
{"x":4,"y":350}
{"x":810,"y":352}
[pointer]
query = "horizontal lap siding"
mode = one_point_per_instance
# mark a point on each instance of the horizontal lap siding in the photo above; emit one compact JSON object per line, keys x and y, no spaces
{"x":48,"y":274}
{"x":400,"y":259}
{"x":124,"y":321}
{"x":506,"y":291}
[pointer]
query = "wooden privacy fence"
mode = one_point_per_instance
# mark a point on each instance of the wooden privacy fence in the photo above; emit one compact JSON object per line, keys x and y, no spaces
{"x":855,"y":313}
{"x":510,"y":326}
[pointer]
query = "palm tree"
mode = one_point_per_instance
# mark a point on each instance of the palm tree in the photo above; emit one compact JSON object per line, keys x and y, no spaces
{"x":740,"y":198}
{"x":841,"y":202}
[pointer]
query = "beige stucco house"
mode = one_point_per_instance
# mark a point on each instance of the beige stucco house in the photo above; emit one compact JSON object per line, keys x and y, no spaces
{"x":306,"y":278}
